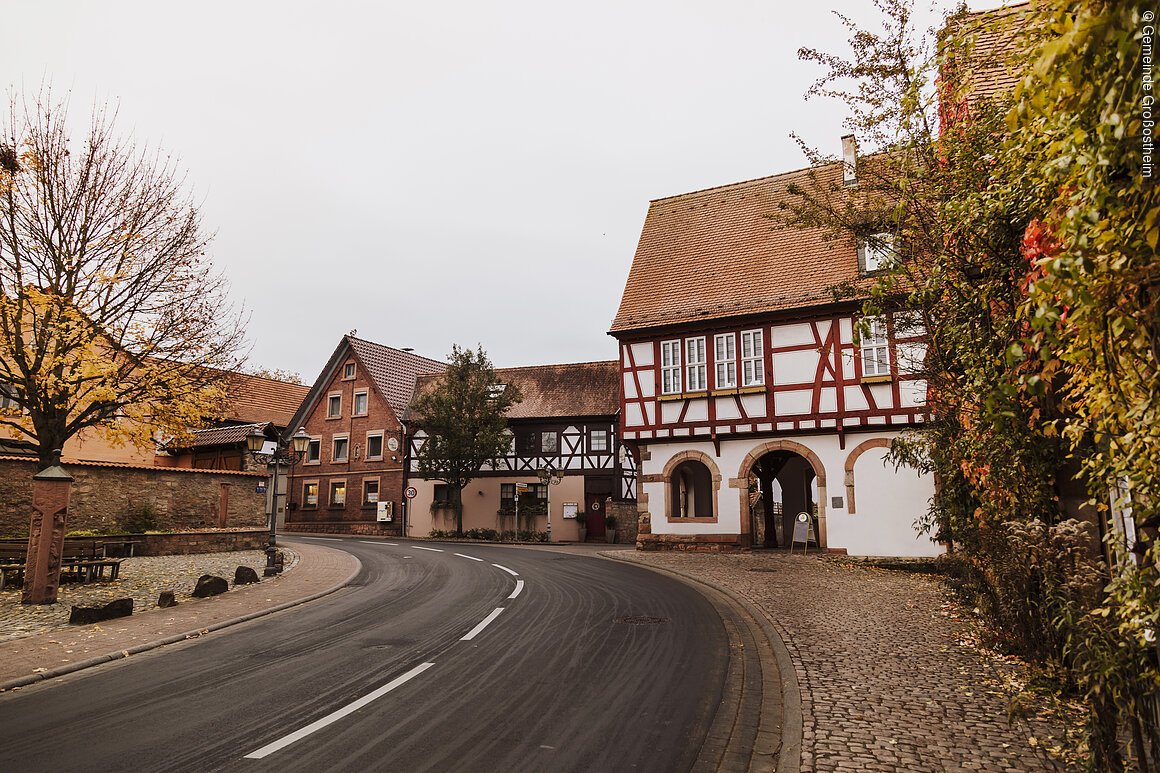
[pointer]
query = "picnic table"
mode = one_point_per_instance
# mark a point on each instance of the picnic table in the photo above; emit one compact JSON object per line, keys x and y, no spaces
{"x":82,"y":561}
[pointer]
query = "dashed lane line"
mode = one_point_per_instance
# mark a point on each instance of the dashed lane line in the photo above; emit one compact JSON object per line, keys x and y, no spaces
{"x":433,"y":550}
{"x":509,"y":571}
{"x":479,"y":628}
{"x":473,"y":558}
{"x":519,"y":587}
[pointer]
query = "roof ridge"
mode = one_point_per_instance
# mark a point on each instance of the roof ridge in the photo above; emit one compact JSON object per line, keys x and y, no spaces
{"x":557,"y":365}
{"x":751,"y":181}
{"x":395,"y":349}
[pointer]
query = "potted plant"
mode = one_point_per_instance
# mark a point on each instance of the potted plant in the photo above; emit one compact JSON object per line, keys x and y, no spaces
{"x":610,"y":528}
{"x":582,"y":524}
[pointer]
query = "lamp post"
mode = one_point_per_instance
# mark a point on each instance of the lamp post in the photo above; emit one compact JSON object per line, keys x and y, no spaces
{"x":290,"y":453}
{"x":549,"y":476}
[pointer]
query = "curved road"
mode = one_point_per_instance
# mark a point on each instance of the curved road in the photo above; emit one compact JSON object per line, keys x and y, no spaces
{"x":437,"y":657}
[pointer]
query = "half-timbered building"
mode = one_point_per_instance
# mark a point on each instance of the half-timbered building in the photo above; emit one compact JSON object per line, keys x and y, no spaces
{"x":565,"y":422}
{"x":752,"y":390}
{"x":352,"y":474}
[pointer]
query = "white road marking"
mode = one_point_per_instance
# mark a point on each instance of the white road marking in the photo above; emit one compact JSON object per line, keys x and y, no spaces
{"x":372,"y":542}
{"x":519,"y":587}
{"x":433,"y":550}
{"x":509,"y":571}
{"x":476,"y":630}
{"x":324,"y":539}
{"x":473,"y":558}
{"x":298,"y":735}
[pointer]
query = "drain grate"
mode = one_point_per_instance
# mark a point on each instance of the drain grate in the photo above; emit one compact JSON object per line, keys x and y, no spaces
{"x":640,"y":620}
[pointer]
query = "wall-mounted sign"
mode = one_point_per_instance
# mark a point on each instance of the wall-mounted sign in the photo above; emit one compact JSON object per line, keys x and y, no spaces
{"x":570,"y":509}
{"x":392,"y":444}
{"x":411,"y":492}
{"x":260,"y":488}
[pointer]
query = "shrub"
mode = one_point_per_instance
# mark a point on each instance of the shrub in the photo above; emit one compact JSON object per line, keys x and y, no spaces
{"x":139,"y":519}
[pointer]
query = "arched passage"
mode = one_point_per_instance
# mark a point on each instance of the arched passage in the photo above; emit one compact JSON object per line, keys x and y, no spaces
{"x":692,"y":481}
{"x":785,"y":473}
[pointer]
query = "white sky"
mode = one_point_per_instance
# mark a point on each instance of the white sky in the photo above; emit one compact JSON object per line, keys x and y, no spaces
{"x":443,"y":172}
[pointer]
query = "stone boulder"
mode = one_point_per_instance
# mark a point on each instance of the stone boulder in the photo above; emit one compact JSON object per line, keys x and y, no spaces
{"x":245,"y":575}
{"x":114,"y":609}
{"x":210,"y":585}
{"x":166,"y":599}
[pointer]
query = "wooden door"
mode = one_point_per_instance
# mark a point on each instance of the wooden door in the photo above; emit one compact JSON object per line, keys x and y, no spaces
{"x":594,"y":506}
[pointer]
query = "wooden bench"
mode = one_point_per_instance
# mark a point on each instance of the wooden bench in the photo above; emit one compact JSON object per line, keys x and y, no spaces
{"x":83,"y":561}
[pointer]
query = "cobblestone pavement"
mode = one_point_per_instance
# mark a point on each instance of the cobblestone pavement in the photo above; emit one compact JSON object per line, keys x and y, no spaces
{"x":889,"y":677}
{"x":142,"y":579}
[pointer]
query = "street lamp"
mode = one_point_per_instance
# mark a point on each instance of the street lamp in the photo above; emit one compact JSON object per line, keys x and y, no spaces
{"x":549,"y":476}
{"x":289,"y":453}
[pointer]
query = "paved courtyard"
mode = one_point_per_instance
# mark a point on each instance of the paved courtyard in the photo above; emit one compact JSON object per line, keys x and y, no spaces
{"x":889,"y":675}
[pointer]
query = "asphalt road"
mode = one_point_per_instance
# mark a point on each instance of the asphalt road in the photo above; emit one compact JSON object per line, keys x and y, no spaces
{"x":590,"y":665}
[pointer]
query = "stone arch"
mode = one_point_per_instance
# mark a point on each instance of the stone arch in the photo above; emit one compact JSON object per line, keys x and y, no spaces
{"x":715,"y":475}
{"x":741,"y":482}
{"x":861,"y":448}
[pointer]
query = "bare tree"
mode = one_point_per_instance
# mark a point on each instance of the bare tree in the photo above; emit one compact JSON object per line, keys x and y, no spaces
{"x":111,"y":316}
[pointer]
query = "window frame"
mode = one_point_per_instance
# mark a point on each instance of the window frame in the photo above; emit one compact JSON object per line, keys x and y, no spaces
{"x":305,"y":485}
{"x":882,"y":366}
{"x":606,"y":434}
{"x":381,"y":435}
{"x":333,"y":485}
{"x":349,"y":370}
{"x":330,"y":404}
{"x":315,"y":442}
{"x":334,"y":440}
{"x":366,"y":397}
{"x":699,"y":367}
{"x":876,"y":250}
{"x":725,"y":363}
{"x":378,"y":491}
{"x":756,"y":358}
{"x":670,"y":368}
{"x":544,"y":435}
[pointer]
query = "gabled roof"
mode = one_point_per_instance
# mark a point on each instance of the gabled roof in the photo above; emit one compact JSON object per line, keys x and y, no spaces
{"x":990,"y":50}
{"x":554,"y":391}
{"x":392,"y":372}
{"x":217,"y":436}
{"x":255,"y":399}
{"x":727,"y":252}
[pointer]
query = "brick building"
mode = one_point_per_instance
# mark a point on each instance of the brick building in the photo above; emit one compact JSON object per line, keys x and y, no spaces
{"x":355,"y":459}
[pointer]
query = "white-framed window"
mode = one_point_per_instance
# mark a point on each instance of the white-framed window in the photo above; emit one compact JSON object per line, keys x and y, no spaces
{"x":8,"y":399}
{"x":360,"y":403}
{"x":725,"y":360}
{"x":313,"y":451}
{"x":374,"y":445}
{"x":875,"y":348}
{"x":695,"y":376}
{"x":670,"y":367}
{"x":347,"y":371}
{"x":752,"y":358}
{"x":877,"y":251}
{"x":310,"y":493}
{"x":598,"y":440}
{"x":334,"y":405}
{"x":549,"y":442}
{"x":340,"y":448}
{"x":337,"y":493}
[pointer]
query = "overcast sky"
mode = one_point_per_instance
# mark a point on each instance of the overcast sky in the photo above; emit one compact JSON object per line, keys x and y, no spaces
{"x":431,"y":173}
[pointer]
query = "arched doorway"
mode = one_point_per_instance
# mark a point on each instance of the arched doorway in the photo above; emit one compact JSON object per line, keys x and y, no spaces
{"x":781,"y":479}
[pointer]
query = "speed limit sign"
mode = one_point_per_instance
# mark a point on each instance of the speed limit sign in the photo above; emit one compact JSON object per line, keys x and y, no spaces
{"x":411,"y":492}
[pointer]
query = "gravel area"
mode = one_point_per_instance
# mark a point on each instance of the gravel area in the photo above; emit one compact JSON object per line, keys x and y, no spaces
{"x":890,"y":670}
{"x":143,"y":579}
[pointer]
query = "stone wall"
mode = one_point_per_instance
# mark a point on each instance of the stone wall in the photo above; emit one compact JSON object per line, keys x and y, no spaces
{"x":626,"y":519}
{"x":104,"y":495}
{"x":176,"y":544}
{"x":364,"y":528}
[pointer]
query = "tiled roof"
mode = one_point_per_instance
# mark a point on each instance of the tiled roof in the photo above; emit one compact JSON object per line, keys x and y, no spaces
{"x":990,"y":46}
{"x":393,"y":370}
{"x":215,"y":436}
{"x":67,"y":463}
{"x":556,"y":391}
{"x":259,"y":399}
{"x":727,"y":252}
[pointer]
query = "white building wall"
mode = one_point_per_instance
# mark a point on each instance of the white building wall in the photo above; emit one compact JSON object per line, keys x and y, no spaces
{"x":887,"y":502}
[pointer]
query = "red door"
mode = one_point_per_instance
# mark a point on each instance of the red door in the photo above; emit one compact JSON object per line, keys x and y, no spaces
{"x":594,"y":506}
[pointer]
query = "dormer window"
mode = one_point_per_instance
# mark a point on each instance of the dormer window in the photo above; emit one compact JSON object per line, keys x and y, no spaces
{"x":495,"y":390}
{"x":876,"y":252}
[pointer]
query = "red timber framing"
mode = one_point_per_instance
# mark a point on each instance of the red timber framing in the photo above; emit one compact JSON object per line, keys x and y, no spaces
{"x":813,"y":380}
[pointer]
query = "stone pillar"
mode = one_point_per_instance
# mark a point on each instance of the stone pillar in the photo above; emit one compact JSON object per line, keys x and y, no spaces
{"x":50,"y":493}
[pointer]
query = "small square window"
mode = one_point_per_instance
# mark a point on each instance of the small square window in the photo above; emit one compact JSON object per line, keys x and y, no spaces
{"x":340,"y":450}
{"x":348,"y":371}
{"x":337,"y":493}
{"x":375,"y":446}
{"x":442,"y":493}
{"x":549,"y":442}
{"x":334,"y":406}
{"x":360,"y":403}
{"x":598,"y":440}
{"x":314,"y":451}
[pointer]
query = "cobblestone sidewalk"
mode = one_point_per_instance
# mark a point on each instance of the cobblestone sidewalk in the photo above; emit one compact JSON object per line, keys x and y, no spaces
{"x":889,"y":677}
{"x":142,"y":579}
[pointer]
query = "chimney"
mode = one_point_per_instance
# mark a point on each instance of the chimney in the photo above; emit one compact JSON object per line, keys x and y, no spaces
{"x":849,"y":161}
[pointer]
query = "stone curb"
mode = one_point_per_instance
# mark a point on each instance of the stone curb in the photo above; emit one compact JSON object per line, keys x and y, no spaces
{"x":789,"y":757}
{"x":24,"y":681}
